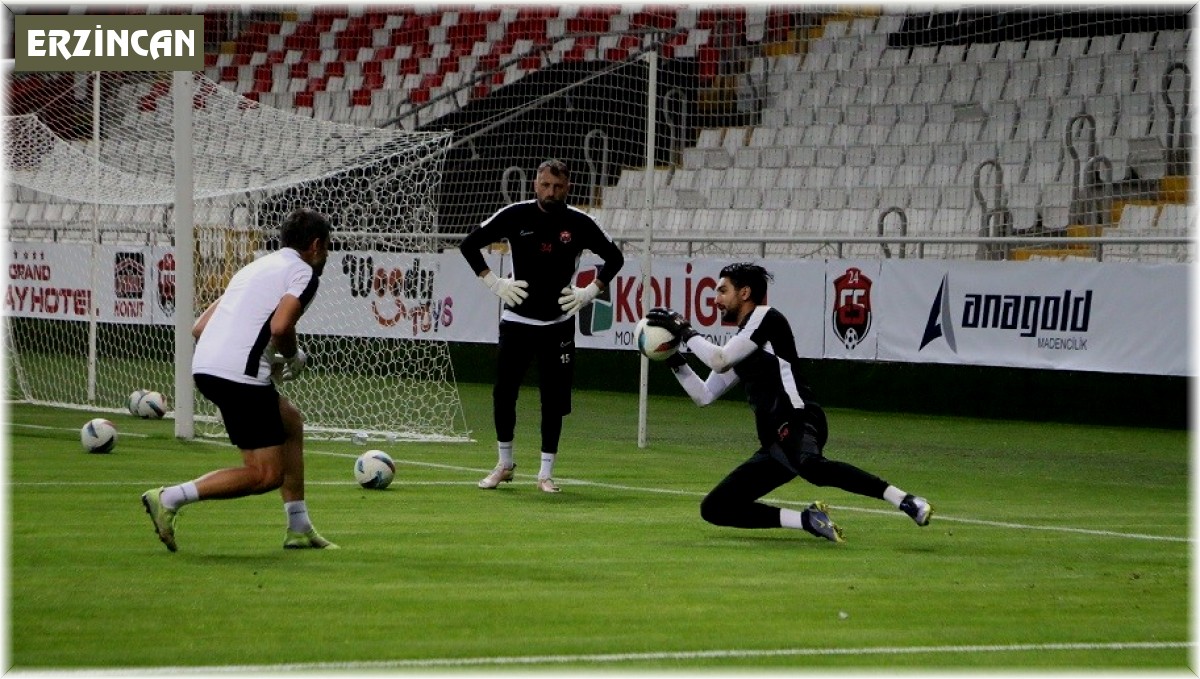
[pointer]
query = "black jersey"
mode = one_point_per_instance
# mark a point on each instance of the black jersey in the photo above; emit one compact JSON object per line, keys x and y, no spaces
{"x":774,"y":387}
{"x":545,"y":248}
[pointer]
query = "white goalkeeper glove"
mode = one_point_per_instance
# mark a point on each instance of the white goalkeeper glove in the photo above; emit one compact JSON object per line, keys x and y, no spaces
{"x":288,"y":368}
{"x":510,"y":291}
{"x":573,"y":299}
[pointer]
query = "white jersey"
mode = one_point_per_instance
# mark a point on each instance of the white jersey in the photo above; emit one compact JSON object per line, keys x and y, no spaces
{"x":234,"y":340}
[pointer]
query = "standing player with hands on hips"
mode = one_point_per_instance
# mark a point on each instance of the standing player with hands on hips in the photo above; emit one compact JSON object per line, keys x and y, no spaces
{"x":792,"y":429}
{"x":546,"y":238}
{"x":244,"y":339}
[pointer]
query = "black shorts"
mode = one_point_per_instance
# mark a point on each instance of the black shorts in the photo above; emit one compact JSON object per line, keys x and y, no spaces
{"x":250,"y":411}
{"x":552,"y":347}
{"x":803,"y":437}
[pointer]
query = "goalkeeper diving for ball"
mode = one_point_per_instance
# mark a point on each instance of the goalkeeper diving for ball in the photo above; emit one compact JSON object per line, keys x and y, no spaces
{"x":792,"y":429}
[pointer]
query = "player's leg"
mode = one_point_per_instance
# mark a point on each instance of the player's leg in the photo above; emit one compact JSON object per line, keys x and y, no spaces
{"x":253,"y":423}
{"x":300,"y":532}
{"x":556,"y":377}
{"x":812,"y":465}
{"x":735,"y":501}
{"x":514,"y":355}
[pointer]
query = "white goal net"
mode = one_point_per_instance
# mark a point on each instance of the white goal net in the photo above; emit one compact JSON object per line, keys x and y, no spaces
{"x":92,"y":222}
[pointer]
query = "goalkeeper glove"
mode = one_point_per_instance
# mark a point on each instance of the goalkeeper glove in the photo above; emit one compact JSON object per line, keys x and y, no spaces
{"x":511,"y":292}
{"x":672,"y":321}
{"x":289,"y":367}
{"x":675,"y":361}
{"x":573,"y":299}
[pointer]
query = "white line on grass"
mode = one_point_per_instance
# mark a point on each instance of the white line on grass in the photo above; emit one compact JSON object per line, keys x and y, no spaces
{"x":46,"y":428}
{"x":889,"y":512}
{"x":603,"y":658}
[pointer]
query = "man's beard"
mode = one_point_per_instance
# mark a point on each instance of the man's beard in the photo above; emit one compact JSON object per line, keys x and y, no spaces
{"x":552,"y":205}
{"x":729,"y":315}
{"x":319,"y":269}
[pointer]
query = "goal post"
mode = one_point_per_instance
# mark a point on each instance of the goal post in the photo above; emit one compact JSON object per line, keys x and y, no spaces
{"x":182,"y":91}
{"x":251,"y":165}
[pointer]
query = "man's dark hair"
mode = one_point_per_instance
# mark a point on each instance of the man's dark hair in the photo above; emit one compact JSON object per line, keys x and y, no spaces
{"x":301,"y":227}
{"x":556,"y":167}
{"x":743,"y":274}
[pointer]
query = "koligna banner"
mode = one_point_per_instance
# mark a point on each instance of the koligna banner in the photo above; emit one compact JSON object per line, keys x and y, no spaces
{"x":167,"y":42}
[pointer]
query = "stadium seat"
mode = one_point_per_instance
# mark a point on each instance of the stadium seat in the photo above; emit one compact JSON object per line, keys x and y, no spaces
{"x":1137,"y":42}
{"x":1172,"y":40}
{"x":1086,"y":73}
{"x":1138,"y":220}
{"x":1053,"y":76}
{"x":1022,"y":78}
{"x":776,"y":199}
{"x":1176,"y":218}
{"x":1045,"y":161}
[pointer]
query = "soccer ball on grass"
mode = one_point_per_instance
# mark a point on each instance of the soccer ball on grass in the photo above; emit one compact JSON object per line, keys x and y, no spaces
{"x":134,"y":399}
{"x":148,"y":405}
{"x":98,"y":436}
{"x":374,"y":469}
{"x":655,"y":343}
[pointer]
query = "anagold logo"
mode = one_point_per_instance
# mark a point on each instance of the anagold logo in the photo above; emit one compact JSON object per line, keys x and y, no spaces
{"x":1028,"y":315}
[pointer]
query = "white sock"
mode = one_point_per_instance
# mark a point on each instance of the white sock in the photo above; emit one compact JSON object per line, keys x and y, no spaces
{"x":790,"y":518}
{"x":547,"y":469}
{"x":505,"y":448}
{"x":894,"y":495}
{"x":175,"y":497}
{"x":297,"y":516}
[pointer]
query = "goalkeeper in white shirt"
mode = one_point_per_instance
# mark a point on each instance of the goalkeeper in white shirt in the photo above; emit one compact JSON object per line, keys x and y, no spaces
{"x":791,"y":425}
{"x":245,"y":340}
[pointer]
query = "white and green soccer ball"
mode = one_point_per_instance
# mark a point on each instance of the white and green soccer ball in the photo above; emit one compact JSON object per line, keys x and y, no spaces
{"x":98,"y":436}
{"x":374,"y":469}
{"x":147,"y":404}
{"x":655,"y":343}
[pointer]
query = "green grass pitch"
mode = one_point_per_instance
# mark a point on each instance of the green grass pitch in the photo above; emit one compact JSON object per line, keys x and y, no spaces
{"x":1054,"y":547}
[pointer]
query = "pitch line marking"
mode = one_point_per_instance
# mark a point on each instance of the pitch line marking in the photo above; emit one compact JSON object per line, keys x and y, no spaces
{"x":600,"y":658}
{"x":864,"y":510}
{"x":47,"y":428}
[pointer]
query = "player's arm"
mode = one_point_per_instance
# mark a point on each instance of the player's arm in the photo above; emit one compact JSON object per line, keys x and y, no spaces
{"x":493,"y":230}
{"x":510,"y":291}
{"x":573,"y":299}
{"x":702,"y":392}
{"x":202,"y":322}
{"x":283,"y":324}
{"x":719,"y":358}
{"x":283,"y":338}
{"x":613,"y":258}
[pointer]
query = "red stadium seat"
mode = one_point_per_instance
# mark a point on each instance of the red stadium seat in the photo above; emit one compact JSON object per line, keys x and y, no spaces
{"x":373,"y":81}
{"x":409,"y":66}
{"x":335,"y":69}
{"x":360,"y":97}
